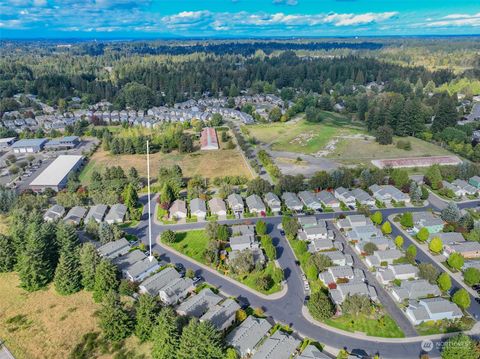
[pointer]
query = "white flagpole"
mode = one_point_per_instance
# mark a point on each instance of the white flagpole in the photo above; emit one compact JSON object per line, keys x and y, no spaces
{"x":149,"y":207}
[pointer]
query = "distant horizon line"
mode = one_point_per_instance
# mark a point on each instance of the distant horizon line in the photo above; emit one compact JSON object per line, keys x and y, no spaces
{"x":233,"y":37}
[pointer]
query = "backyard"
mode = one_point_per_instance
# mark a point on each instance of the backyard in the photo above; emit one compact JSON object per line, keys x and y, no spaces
{"x":44,"y":324}
{"x":209,"y":164}
{"x":194,"y":243}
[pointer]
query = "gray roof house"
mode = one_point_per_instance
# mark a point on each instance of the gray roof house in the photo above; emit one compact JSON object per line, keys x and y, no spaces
{"x":309,"y":221}
{"x":53,"y":213}
{"x":319,"y":245}
{"x":398,"y":271}
{"x":332,"y":274}
{"x":380,"y":257}
{"x":309,"y":200}
{"x":344,"y":195}
{"x":364,"y":233}
{"x":363,"y":197}
{"x":448,"y":237}
{"x":178,"y":209}
{"x":292,"y":202}
{"x":311,"y":233}
{"x":235,"y":202}
{"x":456,"y":190}
{"x":312,"y":352}
{"x":353,"y":221}
{"x":141,"y":269}
{"x":29,"y":145}
{"x":419,"y":311}
{"x":116,"y":214}
{"x":217,"y":207}
{"x":255,"y":204}
{"x":415,"y":289}
{"x":154,"y":283}
{"x":243,"y":230}
{"x":97,"y":213}
{"x":75,"y":215}
{"x":339,"y":258}
{"x":198,"y":305}
{"x":176,"y":290}
{"x":222,"y":316}
{"x":272,"y":201}
{"x":130,"y":258}
{"x":328,"y":199}
{"x":279,"y":346}
{"x":382,"y":243}
{"x":248,"y":334}
{"x":239,"y":243}
{"x":466,"y":249}
{"x":464,"y":186}
{"x":387,"y":193}
{"x":428,"y":220}
{"x":339,"y":294}
{"x":114,"y":249}
{"x":198,"y":208}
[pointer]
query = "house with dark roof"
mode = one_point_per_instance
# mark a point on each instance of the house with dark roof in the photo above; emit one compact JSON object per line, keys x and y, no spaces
{"x":222,"y":315}
{"x":217,"y":207}
{"x":278,"y":346}
{"x":309,"y":200}
{"x":424,"y":310}
{"x":96,"y":213}
{"x":248,"y":334}
{"x":328,"y":199}
{"x":255,"y":204}
{"x":116,"y":214}
{"x":54,"y":213}
{"x":292,"y":202}
{"x":29,"y":145}
{"x":415,"y":289}
{"x":273,"y":202}
{"x":153,"y":284}
{"x":198,"y":305}
{"x":198,"y":208}
{"x":176,"y":290}
{"x":75,"y":215}
{"x":114,"y":249}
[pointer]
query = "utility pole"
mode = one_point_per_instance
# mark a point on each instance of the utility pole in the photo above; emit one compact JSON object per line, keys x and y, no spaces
{"x":150,"y":257}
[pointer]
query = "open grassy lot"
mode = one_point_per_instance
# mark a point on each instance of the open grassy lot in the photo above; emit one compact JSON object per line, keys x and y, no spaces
{"x":44,"y":324}
{"x":302,"y":136}
{"x":362,"y":150}
{"x":194,"y":244}
{"x":384,"y":326}
{"x":209,"y":164}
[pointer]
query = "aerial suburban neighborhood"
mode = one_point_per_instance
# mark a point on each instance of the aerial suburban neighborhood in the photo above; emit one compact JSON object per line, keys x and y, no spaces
{"x":206,"y":180}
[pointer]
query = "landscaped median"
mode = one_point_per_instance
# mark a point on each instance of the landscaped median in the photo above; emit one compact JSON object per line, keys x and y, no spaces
{"x":197,"y":245}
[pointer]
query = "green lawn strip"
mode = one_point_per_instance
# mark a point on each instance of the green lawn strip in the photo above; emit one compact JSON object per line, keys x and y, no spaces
{"x":445,"y":326}
{"x":194,"y":243}
{"x":384,"y":326}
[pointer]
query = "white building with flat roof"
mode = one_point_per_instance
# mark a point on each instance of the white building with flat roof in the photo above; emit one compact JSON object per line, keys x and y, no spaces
{"x":56,"y":174}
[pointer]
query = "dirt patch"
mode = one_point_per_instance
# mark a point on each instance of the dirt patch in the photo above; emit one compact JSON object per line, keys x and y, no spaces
{"x":332,"y":144}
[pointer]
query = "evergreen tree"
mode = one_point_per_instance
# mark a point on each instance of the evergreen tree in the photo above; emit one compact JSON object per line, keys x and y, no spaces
{"x":460,"y":346}
{"x":105,"y":233}
{"x":145,"y":317}
{"x":200,"y":340}
{"x":446,"y":114}
{"x":89,"y":260}
{"x":165,"y":335}
{"x":105,"y":279}
{"x":68,"y":278}
{"x":34,"y":266}
{"x":7,"y":254}
{"x":451,"y":213}
{"x":67,"y":238}
{"x":115,"y":321}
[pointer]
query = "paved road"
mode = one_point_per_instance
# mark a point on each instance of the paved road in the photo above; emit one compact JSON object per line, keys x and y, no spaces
{"x":288,"y":309}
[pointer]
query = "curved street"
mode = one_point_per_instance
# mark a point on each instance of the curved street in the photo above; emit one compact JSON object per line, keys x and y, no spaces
{"x":289,"y":308}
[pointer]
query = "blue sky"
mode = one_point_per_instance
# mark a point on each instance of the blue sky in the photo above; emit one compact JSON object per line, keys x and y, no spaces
{"x":235,"y":18}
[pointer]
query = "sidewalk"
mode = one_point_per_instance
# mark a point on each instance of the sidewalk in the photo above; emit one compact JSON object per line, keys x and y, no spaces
{"x":273,"y":296}
{"x":458,"y":276}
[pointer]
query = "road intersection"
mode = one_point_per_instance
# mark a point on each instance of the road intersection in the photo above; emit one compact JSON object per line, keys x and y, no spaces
{"x":288,"y":306}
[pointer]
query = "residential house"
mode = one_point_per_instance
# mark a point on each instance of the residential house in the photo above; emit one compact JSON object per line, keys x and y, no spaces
{"x":116,"y":214}
{"x":97,"y":213}
{"x":273,"y":202}
{"x":235,"y":202}
{"x":292,"y":202}
{"x":309,"y":222}
{"x":475,"y":182}
{"x":345,"y":196}
{"x":362,"y":197}
{"x":312,"y":352}
{"x":243,"y":230}
{"x":466,"y":188}
{"x":388,"y":193}
{"x":222,"y":315}
{"x":339,"y":258}
{"x":383,"y":258}
{"x":333,"y":274}
{"x":311,"y":233}
{"x":135,"y":265}
{"x":198,"y":305}
{"x":354,"y":221}
{"x":178,"y":209}
{"x":458,"y":192}
{"x":54,"y":213}
{"x":468,"y":250}
{"x":239,"y":243}
{"x":364,"y":233}
{"x":217,"y":207}
{"x":153,"y":284}
{"x":448,"y":237}
{"x":328,"y":199}
{"x":382,"y":243}
{"x":423,"y":310}
{"x":398,"y":271}
{"x":278,"y":346}
{"x":320,"y":245}
{"x":353,"y":287}
{"x":176,"y":290}
{"x":75,"y":215}
{"x":309,"y":200}
{"x":427,"y":220}
{"x":198,"y":208}
{"x":114,"y":249}
{"x":247,"y":335}
{"x":255,"y":204}
{"x":415,"y":289}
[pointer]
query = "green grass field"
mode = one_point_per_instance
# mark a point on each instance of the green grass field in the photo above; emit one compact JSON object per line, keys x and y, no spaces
{"x":302,"y":136}
{"x":194,"y":244}
{"x":384,"y":326}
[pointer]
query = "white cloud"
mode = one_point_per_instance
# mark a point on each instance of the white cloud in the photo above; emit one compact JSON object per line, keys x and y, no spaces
{"x":455,"y":20}
{"x":11,"y":24}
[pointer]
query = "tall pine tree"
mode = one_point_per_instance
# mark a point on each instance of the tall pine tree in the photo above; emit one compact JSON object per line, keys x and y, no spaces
{"x":89,"y":260}
{"x":68,"y":279}
{"x":145,"y":317}
{"x":165,"y":335}
{"x":200,"y":340}
{"x":7,"y":254}
{"x":105,"y":279}
{"x":115,"y":321}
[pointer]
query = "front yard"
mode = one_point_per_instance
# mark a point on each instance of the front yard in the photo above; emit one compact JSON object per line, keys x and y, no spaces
{"x":194,"y":244}
{"x":380,"y":325}
{"x":445,"y":326}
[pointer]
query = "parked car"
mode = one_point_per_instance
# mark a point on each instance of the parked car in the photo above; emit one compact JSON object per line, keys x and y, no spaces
{"x":196,"y":279}
{"x":180,"y":268}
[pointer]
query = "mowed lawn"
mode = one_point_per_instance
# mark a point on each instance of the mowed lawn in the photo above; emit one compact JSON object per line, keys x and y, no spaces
{"x":302,"y":136}
{"x":44,"y":324}
{"x":209,"y":164}
{"x":384,"y":327}
{"x":363,"y":150}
